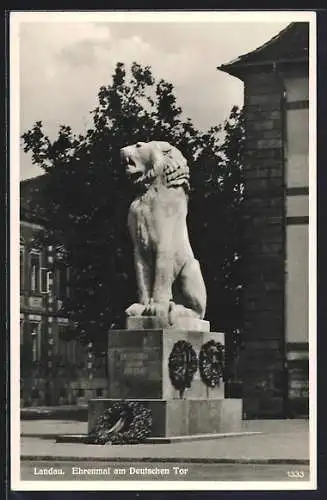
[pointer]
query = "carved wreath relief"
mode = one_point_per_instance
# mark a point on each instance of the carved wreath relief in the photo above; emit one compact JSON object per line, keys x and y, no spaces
{"x":183,"y":364}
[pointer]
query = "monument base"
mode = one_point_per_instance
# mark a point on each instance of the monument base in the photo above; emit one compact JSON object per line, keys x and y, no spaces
{"x":182,"y":417}
{"x":138,"y":363}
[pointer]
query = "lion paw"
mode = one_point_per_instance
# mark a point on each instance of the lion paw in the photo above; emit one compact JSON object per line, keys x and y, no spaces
{"x":179,"y":311}
{"x":156,"y":309}
{"x":135,"y":310}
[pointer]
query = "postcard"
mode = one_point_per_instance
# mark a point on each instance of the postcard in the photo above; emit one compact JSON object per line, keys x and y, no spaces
{"x":163,"y":250}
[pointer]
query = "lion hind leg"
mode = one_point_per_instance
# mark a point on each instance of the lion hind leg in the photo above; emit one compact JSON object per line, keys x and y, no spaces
{"x":179,"y":311}
{"x":192,"y":294}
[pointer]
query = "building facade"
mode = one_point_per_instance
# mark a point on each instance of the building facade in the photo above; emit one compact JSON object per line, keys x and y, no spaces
{"x":53,"y":371}
{"x":274,"y":363}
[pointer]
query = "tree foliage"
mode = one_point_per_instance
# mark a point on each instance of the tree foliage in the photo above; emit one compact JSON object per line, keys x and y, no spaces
{"x":86,"y":198}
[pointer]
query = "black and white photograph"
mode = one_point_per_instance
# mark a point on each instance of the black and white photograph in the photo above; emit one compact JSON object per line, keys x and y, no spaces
{"x":163,"y":250}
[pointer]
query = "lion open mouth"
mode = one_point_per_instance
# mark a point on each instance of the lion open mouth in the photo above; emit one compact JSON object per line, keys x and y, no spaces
{"x":134,"y":176}
{"x":130,"y":161}
{"x":132,"y":171}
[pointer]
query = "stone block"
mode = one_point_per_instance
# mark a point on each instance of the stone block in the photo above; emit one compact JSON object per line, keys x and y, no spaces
{"x":263,"y":407}
{"x":138,"y":364}
{"x":267,"y":163}
{"x":267,"y":302}
{"x":273,"y":233}
{"x":275,"y":133}
{"x":256,"y":173}
{"x":269,"y":143}
{"x":157,"y":322}
{"x":268,"y":99}
{"x":262,"y":112}
{"x":260,"y":88}
{"x":264,"y":125}
{"x":256,"y":78}
{"x":183,"y":417}
{"x":275,"y":114}
{"x":252,"y":330}
{"x":256,"y":185}
{"x":253,"y":151}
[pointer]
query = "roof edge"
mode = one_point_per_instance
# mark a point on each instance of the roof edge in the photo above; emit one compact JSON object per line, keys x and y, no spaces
{"x":31,"y":179}
{"x":238,"y":65}
{"x":238,"y":69}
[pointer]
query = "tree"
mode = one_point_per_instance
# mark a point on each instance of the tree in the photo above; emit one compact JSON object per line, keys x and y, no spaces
{"x":86,"y":198}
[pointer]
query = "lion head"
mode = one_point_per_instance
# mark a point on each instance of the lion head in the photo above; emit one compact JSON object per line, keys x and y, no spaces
{"x":147,"y":162}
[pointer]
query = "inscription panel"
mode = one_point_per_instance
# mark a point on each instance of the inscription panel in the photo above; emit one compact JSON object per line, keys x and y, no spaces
{"x":139,"y":364}
{"x":135,"y":365}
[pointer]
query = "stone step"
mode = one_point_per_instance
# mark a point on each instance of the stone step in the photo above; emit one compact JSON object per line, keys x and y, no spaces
{"x":85,"y":439}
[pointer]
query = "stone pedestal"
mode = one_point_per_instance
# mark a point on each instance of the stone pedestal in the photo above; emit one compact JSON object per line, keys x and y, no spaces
{"x":138,"y":370}
{"x":157,"y":322}
{"x":138,"y":364}
{"x":182,"y":417}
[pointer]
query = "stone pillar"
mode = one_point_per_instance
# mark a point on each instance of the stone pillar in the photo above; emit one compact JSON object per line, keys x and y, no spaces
{"x":262,"y":362}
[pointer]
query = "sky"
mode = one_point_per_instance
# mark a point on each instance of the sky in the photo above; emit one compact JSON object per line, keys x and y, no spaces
{"x":63,"y":64}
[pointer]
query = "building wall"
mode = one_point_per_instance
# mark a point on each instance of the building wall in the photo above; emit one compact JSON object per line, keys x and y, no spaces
{"x":297,"y":239}
{"x":297,"y":130}
{"x":53,"y":370}
{"x":297,"y":213}
{"x":274,"y":360}
{"x":262,"y":360}
{"x":297,"y":285}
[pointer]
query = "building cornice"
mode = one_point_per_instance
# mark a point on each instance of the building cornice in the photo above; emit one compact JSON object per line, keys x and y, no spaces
{"x":289,"y":46}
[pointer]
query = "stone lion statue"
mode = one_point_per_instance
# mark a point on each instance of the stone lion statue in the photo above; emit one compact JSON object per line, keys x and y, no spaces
{"x":169,"y":278}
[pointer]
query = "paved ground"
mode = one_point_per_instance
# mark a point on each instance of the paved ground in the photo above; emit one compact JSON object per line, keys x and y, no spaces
{"x":170,"y":472}
{"x":73,"y":413}
{"x":43,"y":427}
{"x":281,"y":441}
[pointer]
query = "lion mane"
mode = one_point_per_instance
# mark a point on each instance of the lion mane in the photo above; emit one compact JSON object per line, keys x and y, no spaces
{"x":168,"y":276}
{"x":156,"y":159}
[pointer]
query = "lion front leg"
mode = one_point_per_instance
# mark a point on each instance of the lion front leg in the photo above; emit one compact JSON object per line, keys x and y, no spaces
{"x":143,"y":280}
{"x":162,"y":287}
{"x":143,"y":277}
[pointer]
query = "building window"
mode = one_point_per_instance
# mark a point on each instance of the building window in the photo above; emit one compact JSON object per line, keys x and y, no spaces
{"x":22,"y":265}
{"x":62,"y":282}
{"x":35,"y":328}
{"x":59,"y":282}
{"x":297,"y":132}
{"x":35,"y":270}
{"x":71,"y":351}
{"x":66,"y":348}
{"x":298,"y":379}
{"x":68,"y":282}
{"x":60,"y":252}
{"x":62,"y":343}
{"x":44,"y":281}
{"x":22,"y":322}
{"x":55,"y":340}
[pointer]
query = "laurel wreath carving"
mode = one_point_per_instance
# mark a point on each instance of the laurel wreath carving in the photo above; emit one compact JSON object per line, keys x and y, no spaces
{"x":211,"y":363}
{"x":124,"y":422}
{"x":182,"y":365}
